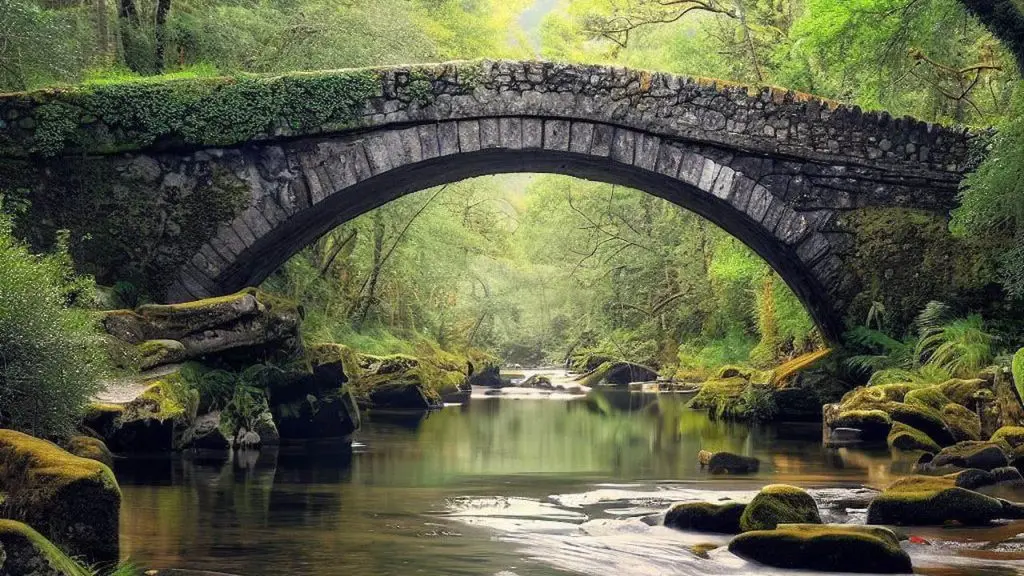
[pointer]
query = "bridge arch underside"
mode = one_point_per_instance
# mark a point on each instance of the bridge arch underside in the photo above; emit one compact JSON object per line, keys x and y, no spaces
{"x":302,"y":189}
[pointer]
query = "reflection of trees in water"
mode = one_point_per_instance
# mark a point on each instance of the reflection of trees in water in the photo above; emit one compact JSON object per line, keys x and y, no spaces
{"x":630,"y":435}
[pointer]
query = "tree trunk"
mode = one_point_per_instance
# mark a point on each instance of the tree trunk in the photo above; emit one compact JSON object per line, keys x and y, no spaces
{"x":102,"y":31}
{"x":378,"y":263}
{"x":162,"y":8}
{"x":1005,"y":21}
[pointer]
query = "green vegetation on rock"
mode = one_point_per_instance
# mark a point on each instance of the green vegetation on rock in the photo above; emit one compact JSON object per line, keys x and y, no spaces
{"x":73,"y":501}
{"x":930,"y":500}
{"x":705,"y":517}
{"x":825,"y":548}
{"x":779,"y":504}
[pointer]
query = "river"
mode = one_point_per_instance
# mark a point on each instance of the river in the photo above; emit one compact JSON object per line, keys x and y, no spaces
{"x":504,"y":486}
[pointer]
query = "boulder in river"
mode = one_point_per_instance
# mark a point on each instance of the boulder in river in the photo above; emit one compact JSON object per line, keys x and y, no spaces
{"x":980,"y":455}
{"x":729,"y":463}
{"x":249,"y":320}
{"x":314,"y":404}
{"x":779,"y":504}
{"x":909,"y":439}
{"x":931,"y":500}
{"x":825,"y":548}
{"x":74,"y":502}
{"x":618,"y":373}
{"x":1011,"y":435}
{"x":89,"y":447}
{"x":152,"y":421}
{"x":706,"y":517}
{"x":874,"y":425}
{"x":26,"y":552}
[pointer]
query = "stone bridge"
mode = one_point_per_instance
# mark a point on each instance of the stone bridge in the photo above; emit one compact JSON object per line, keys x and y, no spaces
{"x":199,"y":187}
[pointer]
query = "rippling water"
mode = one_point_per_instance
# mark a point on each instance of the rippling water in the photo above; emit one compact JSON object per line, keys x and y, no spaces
{"x":503,"y":487}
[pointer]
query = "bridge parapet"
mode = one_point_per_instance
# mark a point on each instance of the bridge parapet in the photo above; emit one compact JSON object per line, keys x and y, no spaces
{"x":156,"y":114}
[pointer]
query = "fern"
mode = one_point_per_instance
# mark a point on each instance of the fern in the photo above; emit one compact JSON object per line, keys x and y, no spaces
{"x":933,"y":317}
{"x":960,"y":347}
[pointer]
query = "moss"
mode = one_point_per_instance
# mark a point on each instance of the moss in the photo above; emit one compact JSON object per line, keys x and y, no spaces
{"x":883,"y":270}
{"x":716,"y":396}
{"x":872,"y":397}
{"x":1012,"y":435}
{"x":117,"y":117}
{"x":928,"y":397}
{"x":873,"y":424}
{"x":981,"y":455}
{"x":74,"y":501}
{"x":923,"y":418}
{"x":903,"y":437}
{"x":701,"y":550}
{"x":779,"y":504}
{"x":833,"y":548}
{"x":929,"y":500}
{"x":962,"y":423}
{"x":91,"y":448}
{"x":29,"y":553}
{"x":706,"y":517}
{"x":964,"y":392}
{"x":154,"y":353}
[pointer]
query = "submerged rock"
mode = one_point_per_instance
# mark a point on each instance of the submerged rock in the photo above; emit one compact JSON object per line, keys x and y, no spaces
{"x":825,"y":548}
{"x":705,"y":517}
{"x":930,"y":500}
{"x":729,"y":463}
{"x":74,"y":502}
{"x":779,"y":504}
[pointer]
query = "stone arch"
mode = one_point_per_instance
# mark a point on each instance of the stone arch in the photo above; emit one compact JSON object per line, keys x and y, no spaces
{"x":302,"y":189}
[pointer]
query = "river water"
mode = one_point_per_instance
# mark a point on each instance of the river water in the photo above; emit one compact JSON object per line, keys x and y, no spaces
{"x":508,"y":486}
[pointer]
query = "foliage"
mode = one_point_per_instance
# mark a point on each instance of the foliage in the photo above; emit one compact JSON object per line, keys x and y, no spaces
{"x":1018,"y":373}
{"x":960,"y":348}
{"x":51,"y":357}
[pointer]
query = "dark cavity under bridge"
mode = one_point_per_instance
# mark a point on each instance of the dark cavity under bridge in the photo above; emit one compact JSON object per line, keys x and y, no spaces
{"x":199,"y":187}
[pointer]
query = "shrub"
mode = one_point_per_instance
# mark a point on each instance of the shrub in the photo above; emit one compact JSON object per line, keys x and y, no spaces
{"x":1018,"y":373}
{"x":50,"y":352}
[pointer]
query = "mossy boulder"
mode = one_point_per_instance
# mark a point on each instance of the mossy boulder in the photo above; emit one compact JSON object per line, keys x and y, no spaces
{"x":729,"y":463}
{"x":89,"y":447}
{"x":102,"y":418}
{"x":874,"y":425}
{"x":962,"y":423}
{"x":26,"y":552}
{"x":1012,"y":435}
{"x":923,"y":418}
{"x":205,"y":433}
{"x":779,"y":504}
{"x":972,"y":479}
{"x":487,"y":376}
{"x":153,"y":353}
{"x":906,"y":438}
{"x":618,"y":373}
{"x":706,"y":517}
{"x":980,"y":455}
{"x":931,"y":500}
{"x":872,"y":397}
{"x":151,"y":422}
{"x":74,"y":502}
{"x":825,"y":548}
{"x":318,"y":403}
{"x":1017,"y":458}
{"x":251,"y":320}
{"x":965,"y":391}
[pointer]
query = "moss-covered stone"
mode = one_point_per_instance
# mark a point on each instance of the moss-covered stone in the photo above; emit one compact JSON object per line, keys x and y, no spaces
{"x":101,"y":417}
{"x":928,"y":397}
{"x":148,"y":422}
{"x":923,"y":418}
{"x":73,"y":501}
{"x":92,"y":448}
{"x":26,"y":552}
{"x":931,"y":500}
{"x":1012,"y":435}
{"x":779,"y":504}
{"x":964,"y":391}
{"x":873,"y":424}
{"x":318,"y":403}
{"x":962,"y":423}
{"x":729,"y":463}
{"x":903,"y":437}
{"x":154,"y":353}
{"x":980,"y":455}
{"x":831,"y":548}
{"x":874,"y":397}
{"x":705,"y":517}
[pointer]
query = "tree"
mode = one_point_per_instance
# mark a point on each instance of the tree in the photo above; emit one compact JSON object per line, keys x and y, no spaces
{"x":1005,"y":19}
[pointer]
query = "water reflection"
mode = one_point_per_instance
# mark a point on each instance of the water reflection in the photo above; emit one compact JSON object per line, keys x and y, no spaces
{"x":386,"y":506}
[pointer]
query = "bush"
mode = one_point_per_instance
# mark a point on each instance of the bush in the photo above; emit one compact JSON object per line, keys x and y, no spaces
{"x":50,"y":352}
